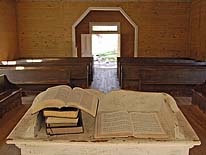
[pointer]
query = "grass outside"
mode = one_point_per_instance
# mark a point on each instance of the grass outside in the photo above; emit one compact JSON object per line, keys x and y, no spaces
{"x":109,"y":56}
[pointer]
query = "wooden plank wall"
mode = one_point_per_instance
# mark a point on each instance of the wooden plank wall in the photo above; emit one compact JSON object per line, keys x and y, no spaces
{"x":197,"y":29}
{"x":8,"y":32}
{"x":45,"y":27}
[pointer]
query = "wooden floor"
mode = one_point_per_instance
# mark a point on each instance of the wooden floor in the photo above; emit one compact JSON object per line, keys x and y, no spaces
{"x":104,"y":81}
{"x":198,"y":121}
{"x":8,"y":122}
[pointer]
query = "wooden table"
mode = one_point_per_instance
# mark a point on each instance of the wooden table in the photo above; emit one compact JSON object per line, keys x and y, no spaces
{"x":85,"y":144}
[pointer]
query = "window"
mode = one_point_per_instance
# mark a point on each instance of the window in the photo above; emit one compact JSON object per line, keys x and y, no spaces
{"x":104,"y":27}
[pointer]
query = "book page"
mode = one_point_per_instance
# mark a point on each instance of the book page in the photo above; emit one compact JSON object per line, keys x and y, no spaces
{"x":61,"y":120}
{"x":87,"y":101}
{"x":59,"y":86}
{"x":113,"y":124}
{"x":63,"y":112}
{"x":39,"y":98}
{"x":95,"y":92}
{"x":58,"y":92}
{"x":52,"y":97}
{"x":146,"y":125}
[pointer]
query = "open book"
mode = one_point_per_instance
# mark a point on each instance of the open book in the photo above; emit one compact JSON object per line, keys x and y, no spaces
{"x":65,"y":96}
{"x":124,"y":113}
{"x":124,"y":124}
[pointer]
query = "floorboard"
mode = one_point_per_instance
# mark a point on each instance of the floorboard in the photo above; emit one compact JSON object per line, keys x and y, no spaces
{"x":105,"y":79}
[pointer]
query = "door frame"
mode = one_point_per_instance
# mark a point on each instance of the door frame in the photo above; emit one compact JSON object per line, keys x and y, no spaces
{"x":74,"y":50}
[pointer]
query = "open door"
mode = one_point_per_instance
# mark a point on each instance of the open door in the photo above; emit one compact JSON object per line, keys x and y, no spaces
{"x":86,"y":45}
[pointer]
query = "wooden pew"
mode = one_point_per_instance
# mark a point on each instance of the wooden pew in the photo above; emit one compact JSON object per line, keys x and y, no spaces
{"x":10,"y":95}
{"x":37,"y":76}
{"x":36,"y":79}
{"x":145,"y":61}
{"x":57,"y":62}
{"x":80,"y":76}
{"x":174,"y":76}
{"x":199,"y":96}
{"x":69,"y":61}
{"x":130,"y":77}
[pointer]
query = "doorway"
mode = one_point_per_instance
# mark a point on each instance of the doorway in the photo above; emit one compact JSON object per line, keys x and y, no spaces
{"x":105,"y":43}
{"x":105,"y":50}
{"x":105,"y":47}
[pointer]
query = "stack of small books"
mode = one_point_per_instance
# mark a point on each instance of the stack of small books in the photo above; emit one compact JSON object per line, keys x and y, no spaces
{"x":63,"y":121}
